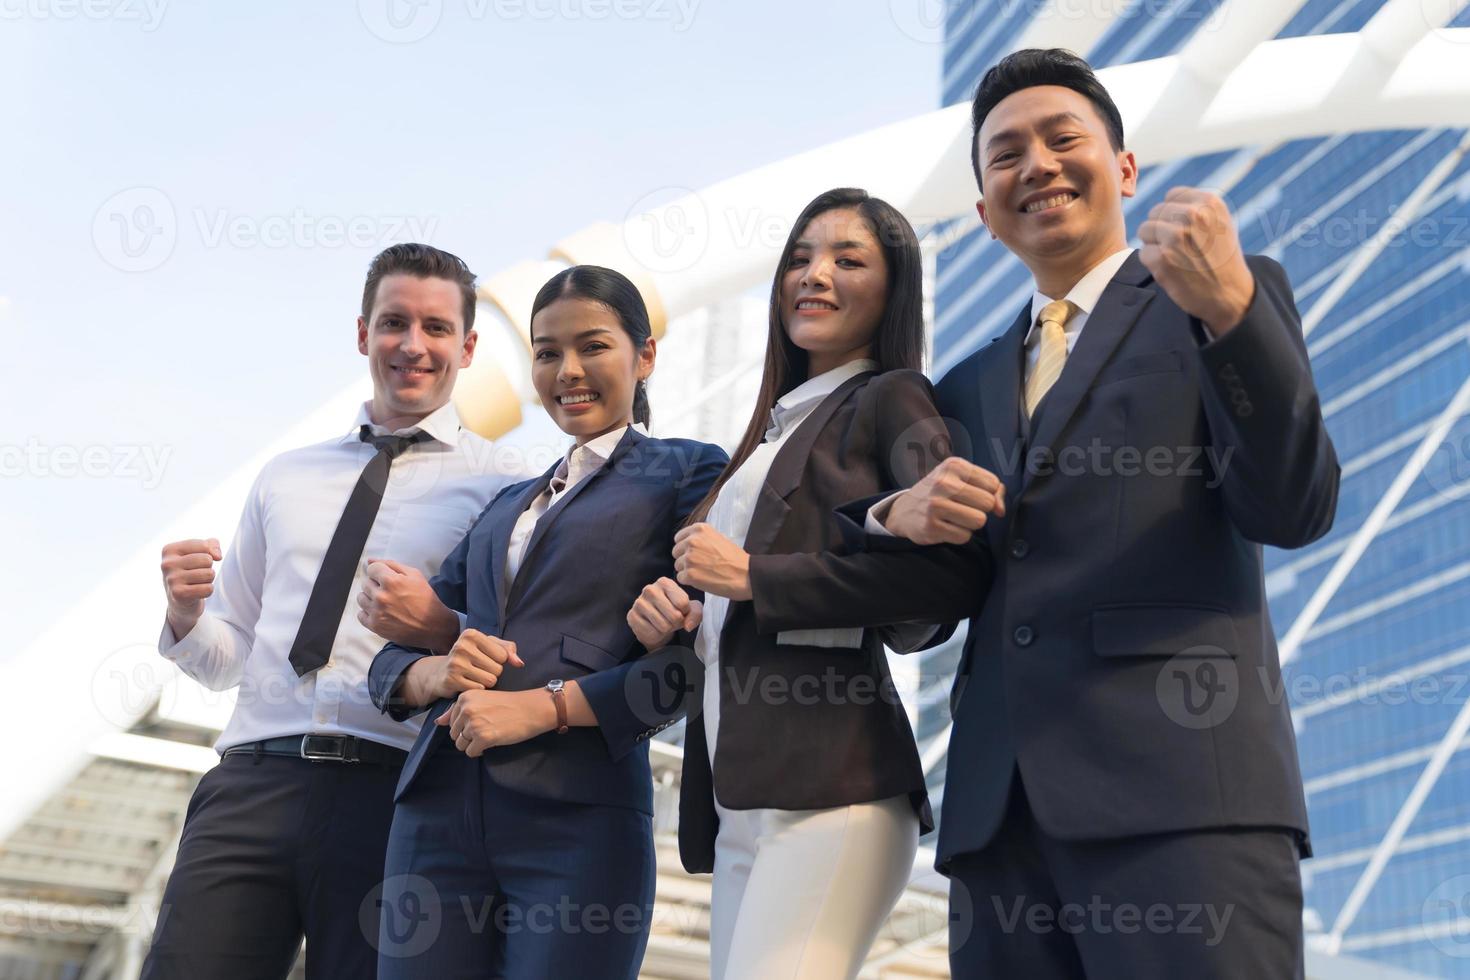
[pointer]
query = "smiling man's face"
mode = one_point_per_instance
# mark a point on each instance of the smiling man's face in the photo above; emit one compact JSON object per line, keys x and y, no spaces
{"x":415,"y":344}
{"x":1053,"y":183}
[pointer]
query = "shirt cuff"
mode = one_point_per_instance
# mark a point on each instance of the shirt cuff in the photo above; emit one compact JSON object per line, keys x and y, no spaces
{"x":205,"y":636}
{"x":878,"y":513}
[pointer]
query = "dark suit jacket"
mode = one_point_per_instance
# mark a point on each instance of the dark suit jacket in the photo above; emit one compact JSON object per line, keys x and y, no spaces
{"x":806,"y":727}
{"x":585,"y":563}
{"x":1125,"y":660}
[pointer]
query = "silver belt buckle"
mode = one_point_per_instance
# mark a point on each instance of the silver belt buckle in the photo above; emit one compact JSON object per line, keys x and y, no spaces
{"x":323,"y":747}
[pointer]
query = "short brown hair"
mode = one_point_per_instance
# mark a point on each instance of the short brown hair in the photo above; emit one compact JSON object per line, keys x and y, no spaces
{"x":425,"y":262}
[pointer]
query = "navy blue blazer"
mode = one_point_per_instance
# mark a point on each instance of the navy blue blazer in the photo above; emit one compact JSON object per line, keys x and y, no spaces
{"x":1124,"y":659}
{"x":586,"y":562}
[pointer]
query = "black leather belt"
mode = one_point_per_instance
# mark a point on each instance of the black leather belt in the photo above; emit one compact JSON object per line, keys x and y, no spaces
{"x":324,"y":748}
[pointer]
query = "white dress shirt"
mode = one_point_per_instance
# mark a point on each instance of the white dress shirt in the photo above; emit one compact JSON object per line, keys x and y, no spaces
{"x":435,"y":490}
{"x":730,"y":515}
{"x":578,"y":464}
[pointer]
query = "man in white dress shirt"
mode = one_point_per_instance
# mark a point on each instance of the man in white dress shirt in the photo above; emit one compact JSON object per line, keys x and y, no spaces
{"x":285,"y":838}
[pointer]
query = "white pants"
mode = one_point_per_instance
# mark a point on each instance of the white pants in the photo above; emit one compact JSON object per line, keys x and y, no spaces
{"x":801,"y":894}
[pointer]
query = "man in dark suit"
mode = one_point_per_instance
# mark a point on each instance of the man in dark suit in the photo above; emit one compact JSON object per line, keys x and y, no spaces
{"x":1123,"y":797}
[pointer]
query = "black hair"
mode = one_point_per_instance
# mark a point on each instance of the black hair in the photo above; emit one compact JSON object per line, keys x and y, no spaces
{"x":1029,"y":68}
{"x":616,"y":292}
{"x":898,"y":341}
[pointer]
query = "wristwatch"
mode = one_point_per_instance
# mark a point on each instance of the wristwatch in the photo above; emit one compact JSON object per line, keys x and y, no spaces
{"x":559,"y":698}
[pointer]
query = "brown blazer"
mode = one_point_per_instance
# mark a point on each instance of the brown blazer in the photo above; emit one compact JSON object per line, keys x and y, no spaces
{"x":804,"y":727}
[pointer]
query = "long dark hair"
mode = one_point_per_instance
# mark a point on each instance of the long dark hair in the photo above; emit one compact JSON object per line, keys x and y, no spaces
{"x":897,"y":343}
{"x":614,"y":291}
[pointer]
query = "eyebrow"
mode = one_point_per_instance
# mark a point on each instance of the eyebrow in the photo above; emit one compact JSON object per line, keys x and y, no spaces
{"x":581,"y":336}
{"x":847,"y":244}
{"x":1047,"y":123}
{"x":387,"y":311}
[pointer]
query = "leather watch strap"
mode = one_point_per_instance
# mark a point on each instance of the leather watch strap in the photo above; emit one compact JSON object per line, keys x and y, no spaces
{"x":559,"y":698}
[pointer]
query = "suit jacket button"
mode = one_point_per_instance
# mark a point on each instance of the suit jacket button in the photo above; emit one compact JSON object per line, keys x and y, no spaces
{"x":1020,"y":548}
{"x":1025,"y":636}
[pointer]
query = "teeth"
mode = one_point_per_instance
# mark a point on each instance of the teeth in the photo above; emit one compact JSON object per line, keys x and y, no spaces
{"x":577,"y":399}
{"x":413,"y":370}
{"x":814,"y":305}
{"x":1051,"y":202}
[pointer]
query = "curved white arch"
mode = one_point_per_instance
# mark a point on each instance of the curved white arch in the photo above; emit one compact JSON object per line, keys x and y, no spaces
{"x":1281,"y":90}
{"x":1399,"y":73}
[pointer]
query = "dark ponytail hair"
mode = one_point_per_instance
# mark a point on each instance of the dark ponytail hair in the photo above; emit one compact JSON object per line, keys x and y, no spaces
{"x":898,"y":342}
{"x":612,"y":290}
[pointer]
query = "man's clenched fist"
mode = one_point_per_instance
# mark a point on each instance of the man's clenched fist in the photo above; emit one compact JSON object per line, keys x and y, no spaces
{"x":952,"y":502}
{"x":397,"y":603}
{"x":188,"y":579}
{"x":1191,"y":247}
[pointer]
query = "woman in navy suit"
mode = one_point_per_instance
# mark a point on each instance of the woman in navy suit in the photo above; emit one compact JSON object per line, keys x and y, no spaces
{"x":522,"y":842}
{"x":803,"y":791}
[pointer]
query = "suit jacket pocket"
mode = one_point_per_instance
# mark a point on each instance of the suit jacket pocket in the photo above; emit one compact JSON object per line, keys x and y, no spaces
{"x":1163,"y":631}
{"x":1140,"y":365}
{"x":588,"y":655}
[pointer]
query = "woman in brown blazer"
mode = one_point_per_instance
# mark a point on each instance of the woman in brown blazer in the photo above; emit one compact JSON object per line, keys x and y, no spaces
{"x":802,"y":787}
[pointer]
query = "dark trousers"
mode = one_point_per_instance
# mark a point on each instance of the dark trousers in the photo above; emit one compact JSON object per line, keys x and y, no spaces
{"x":1211,"y":904}
{"x":481,"y":881}
{"x":273,"y":850}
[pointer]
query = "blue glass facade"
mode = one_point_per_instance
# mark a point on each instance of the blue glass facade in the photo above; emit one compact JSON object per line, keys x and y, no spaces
{"x":1383,"y":675}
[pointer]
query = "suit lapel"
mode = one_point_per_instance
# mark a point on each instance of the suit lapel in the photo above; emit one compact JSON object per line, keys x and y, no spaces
{"x":999,"y":383}
{"x":631,"y":437}
{"x":1121,"y":304}
{"x":505,"y":523}
{"x":789,"y":466}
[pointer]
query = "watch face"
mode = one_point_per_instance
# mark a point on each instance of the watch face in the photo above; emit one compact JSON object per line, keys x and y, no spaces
{"x":554,"y":686}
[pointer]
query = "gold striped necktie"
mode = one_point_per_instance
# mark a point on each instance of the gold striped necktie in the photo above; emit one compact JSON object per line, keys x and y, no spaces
{"x":1053,"y":355}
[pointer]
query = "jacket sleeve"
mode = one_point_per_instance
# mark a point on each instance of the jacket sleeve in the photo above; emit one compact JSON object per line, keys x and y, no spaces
{"x":911,"y":440}
{"x":637,"y":699}
{"x":1278,"y":469}
{"x":895,"y":582}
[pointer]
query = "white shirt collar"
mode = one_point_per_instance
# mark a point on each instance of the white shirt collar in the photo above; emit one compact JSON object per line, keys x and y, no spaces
{"x":602,"y":447}
{"x":815,"y":389}
{"x":1085,"y":295}
{"x":799,"y":400}
{"x":442,"y":425}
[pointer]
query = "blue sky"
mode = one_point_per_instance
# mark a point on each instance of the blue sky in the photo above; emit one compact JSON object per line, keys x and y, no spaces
{"x":289,"y":142}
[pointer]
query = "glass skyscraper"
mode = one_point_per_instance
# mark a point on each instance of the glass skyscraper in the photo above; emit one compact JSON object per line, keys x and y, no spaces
{"x":1380,"y":679}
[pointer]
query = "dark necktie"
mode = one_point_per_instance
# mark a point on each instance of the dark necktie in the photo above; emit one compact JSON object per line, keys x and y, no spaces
{"x":313,"y":646}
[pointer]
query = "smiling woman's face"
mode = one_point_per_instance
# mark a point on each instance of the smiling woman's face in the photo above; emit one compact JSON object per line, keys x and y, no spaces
{"x":834,"y":289}
{"x":585,"y":368}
